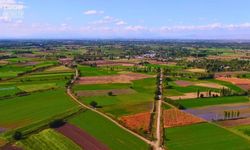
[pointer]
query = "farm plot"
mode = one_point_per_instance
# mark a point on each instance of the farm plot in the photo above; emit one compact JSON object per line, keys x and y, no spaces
{"x":200,"y":102}
{"x":242,"y":83}
{"x":127,"y":104}
{"x":139,"y":121}
{"x":192,"y":95}
{"x":203,"y":136}
{"x":175,"y":117}
{"x":81,"y":138}
{"x":58,"y":69}
{"x":244,"y":129}
{"x":235,"y":122}
{"x":113,"y":92}
{"x":86,"y":71}
{"x":26,"y":110}
{"x":217,"y":112}
{"x":188,"y":88}
{"x":48,"y":140}
{"x":100,"y":128}
{"x":37,"y":87}
{"x":121,"y":78}
{"x":199,"y":84}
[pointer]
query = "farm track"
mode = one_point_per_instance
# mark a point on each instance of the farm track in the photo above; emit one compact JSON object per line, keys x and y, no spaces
{"x":69,"y":92}
{"x":159,"y":114}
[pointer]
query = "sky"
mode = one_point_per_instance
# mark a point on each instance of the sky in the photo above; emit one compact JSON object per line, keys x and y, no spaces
{"x":130,"y":19}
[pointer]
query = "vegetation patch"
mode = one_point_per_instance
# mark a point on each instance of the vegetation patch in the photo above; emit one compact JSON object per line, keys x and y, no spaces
{"x":175,"y":117}
{"x":100,"y":128}
{"x":37,"y":87}
{"x":48,"y":140}
{"x":138,"y":122}
{"x":205,"y":136}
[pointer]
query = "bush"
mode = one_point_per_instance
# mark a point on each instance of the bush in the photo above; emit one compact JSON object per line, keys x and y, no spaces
{"x":17,"y":135}
{"x":56,"y":123}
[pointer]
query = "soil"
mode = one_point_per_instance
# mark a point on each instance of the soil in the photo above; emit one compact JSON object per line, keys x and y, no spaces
{"x":137,"y":121}
{"x":88,"y":93}
{"x":237,"y":122}
{"x":121,"y":78}
{"x":191,"y":95}
{"x":183,"y":83}
{"x":81,"y":138}
{"x":175,"y":117}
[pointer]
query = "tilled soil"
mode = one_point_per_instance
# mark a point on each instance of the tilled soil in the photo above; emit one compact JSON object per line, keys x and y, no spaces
{"x":81,"y":138}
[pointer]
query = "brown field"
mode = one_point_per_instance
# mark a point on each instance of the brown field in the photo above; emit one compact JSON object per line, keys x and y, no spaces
{"x":10,"y":147}
{"x":3,"y":62}
{"x":196,"y":70}
{"x":191,"y":95}
{"x":121,"y":78}
{"x":236,"y":122}
{"x":111,"y":63}
{"x":59,"y":69}
{"x":202,"y":84}
{"x":81,"y":138}
{"x":184,"y":83}
{"x":210,"y":85}
{"x":137,"y":121}
{"x":242,"y":83}
{"x":87,"y":93}
{"x":211,"y":113}
{"x":228,"y":73}
{"x":175,"y":117}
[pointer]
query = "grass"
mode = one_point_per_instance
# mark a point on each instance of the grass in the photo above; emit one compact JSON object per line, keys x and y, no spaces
{"x":191,"y":103}
{"x":21,"y":111}
{"x":229,"y":85}
{"x":79,"y":87}
{"x":140,"y":101}
{"x":203,"y":136}
{"x":8,"y":90}
{"x":107,"y":132}
{"x":94,"y":71}
{"x":48,"y":140}
{"x":37,"y":87}
{"x":245,"y":129}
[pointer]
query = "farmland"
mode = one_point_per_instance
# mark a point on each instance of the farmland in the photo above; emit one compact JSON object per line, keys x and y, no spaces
{"x":100,"y":128}
{"x":124,"y":95}
{"x":47,"y":139}
{"x":140,"y":100}
{"x":206,"y":136}
{"x":32,"y":108}
{"x":191,"y":103}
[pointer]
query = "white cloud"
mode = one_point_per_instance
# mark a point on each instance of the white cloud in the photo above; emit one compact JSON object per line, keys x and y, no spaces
{"x":93,"y":12}
{"x":11,"y":10}
{"x":119,"y":23}
{"x":136,"y":28}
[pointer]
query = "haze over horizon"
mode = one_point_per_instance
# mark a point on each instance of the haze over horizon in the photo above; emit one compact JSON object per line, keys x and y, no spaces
{"x":125,"y":19}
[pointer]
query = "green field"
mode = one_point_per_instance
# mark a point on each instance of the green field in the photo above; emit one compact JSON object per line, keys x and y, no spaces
{"x":245,"y":129}
{"x":229,"y":85}
{"x":203,"y":136}
{"x":47,"y":140}
{"x":35,"y":107}
{"x":175,"y":90}
{"x":37,"y":87}
{"x":94,"y":71}
{"x":191,"y":103}
{"x":120,"y":105}
{"x":79,"y":87}
{"x":107,"y":132}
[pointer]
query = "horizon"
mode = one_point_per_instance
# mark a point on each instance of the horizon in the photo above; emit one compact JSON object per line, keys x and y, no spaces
{"x":161,"y":20}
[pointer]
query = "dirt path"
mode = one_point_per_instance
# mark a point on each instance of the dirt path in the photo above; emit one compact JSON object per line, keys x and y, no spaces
{"x":81,"y":138}
{"x":104,"y":115}
{"x":159,"y":113}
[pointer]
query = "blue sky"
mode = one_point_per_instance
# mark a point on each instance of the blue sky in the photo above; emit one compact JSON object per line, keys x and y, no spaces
{"x":163,"y":19}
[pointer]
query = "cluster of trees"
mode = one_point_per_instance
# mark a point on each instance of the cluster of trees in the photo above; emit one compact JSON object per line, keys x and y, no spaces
{"x":158,"y":91}
{"x":231,"y":114}
{"x":218,"y":65}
